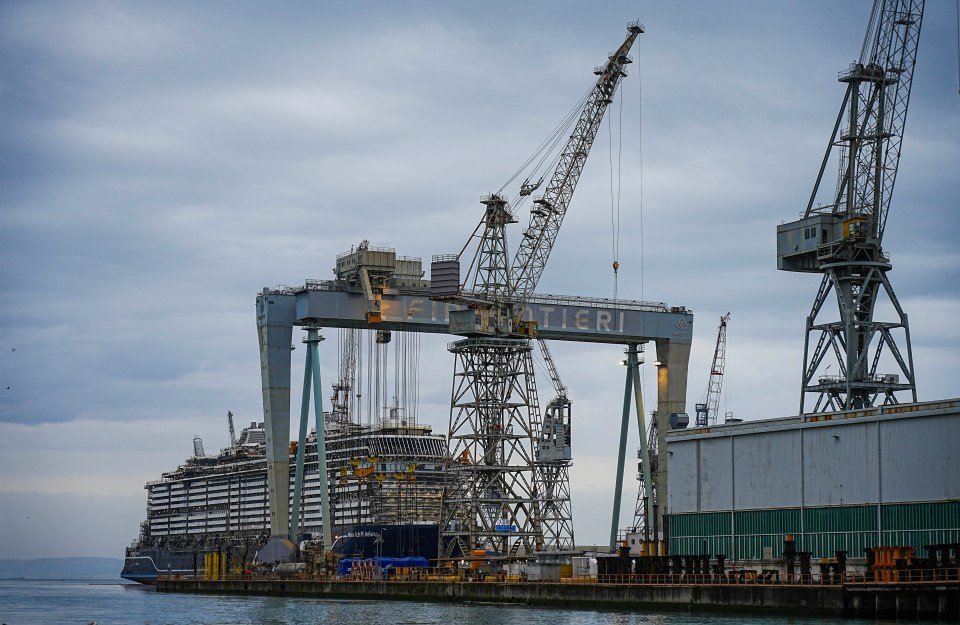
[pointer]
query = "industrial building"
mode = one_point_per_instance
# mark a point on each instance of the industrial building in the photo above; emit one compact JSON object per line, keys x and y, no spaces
{"x":888,"y":475}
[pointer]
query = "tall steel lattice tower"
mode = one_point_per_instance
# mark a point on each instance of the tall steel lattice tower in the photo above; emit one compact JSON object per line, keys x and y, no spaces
{"x":498,"y":497}
{"x":842,"y":237}
{"x":640,"y":512}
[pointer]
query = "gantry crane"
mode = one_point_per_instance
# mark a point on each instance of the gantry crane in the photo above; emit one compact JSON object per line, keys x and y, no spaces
{"x":707,"y":410}
{"x":495,"y":490}
{"x":842,"y":238}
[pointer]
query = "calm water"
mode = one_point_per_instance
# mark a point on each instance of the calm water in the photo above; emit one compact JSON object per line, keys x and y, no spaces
{"x":65,"y":603}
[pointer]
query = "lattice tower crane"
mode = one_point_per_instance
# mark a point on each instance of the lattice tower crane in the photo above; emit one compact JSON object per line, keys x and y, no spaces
{"x":640,"y":513}
{"x":553,"y":456}
{"x":494,"y":489}
{"x":341,"y":400}
{"x":707,"y":410}
{"x":842,"y":238}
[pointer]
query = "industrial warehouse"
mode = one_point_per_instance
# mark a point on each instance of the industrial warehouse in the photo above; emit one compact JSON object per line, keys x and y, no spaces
{"x":840,"y":481}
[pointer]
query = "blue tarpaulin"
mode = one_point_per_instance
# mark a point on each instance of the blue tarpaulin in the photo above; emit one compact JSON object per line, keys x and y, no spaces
{"x":386,"y":565}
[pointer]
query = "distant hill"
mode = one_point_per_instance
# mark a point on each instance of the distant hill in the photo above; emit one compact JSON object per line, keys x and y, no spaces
{"x":62,"y":568}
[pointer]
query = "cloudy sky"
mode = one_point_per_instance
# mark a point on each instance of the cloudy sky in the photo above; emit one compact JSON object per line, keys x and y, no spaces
{"x":162,"y":162}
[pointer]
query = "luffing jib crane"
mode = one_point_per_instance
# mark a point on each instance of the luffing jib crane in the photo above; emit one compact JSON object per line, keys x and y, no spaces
{"x":841,"y":236}
{"x":553,"y":456}
{"x":495,"y":494}
{"x":233,"y":432}
{"x":707,"y":410}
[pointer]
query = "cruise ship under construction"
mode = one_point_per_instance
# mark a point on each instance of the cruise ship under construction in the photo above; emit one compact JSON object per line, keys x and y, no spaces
{"x":384,"y":478}
{"x":851,"y":502}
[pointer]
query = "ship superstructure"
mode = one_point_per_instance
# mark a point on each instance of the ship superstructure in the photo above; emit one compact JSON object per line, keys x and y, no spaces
{"x":388,"y":474}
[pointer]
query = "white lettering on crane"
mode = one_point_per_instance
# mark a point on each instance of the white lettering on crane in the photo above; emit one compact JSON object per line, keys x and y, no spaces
{"x":546,"y":310}
{"x":582,"y":319}
{"x":603,"y":320}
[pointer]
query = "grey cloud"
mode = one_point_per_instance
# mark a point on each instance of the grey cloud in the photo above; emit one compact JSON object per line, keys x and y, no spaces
{"x":161,"y":163}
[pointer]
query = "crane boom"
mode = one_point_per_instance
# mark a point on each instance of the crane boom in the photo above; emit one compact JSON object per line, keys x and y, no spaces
{"x":549,"y":210}
{"x":707,"y":410}
{"x":875,"y":109}
{"x":552,"y":369}
{"x":233,"y":433}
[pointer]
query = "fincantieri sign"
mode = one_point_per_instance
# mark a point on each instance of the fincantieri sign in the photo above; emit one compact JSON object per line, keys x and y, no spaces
{"x":592,"y":320}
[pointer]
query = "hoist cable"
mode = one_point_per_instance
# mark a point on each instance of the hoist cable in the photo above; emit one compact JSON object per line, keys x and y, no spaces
{"x":545,"y":149}
{"x":613,"y":221}
{"x":643,"y":247}
{"x":958,"y":46}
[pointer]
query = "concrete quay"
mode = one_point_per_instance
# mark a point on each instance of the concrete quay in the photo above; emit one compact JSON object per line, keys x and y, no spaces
{"x":928,"y":601}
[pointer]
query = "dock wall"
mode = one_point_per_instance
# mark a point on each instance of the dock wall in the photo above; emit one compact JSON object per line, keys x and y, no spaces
{"x":813,"y":598}
{"x":940,"y":602}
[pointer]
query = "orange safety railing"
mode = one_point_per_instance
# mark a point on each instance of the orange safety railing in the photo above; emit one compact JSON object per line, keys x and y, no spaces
{"x":739,"y":577}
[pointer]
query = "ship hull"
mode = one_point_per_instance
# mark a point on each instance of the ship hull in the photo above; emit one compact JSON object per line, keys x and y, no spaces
{"x":145,"y":569}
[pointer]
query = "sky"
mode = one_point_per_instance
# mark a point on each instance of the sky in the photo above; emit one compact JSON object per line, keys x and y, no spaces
{"x":160,"y":163}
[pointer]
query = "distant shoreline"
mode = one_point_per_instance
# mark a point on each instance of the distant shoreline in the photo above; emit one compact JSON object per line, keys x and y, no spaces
{"x":118,"y":579}
{"x":81,"y":569}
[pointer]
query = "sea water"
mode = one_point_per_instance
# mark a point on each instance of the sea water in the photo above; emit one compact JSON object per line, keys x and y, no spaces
{"x":104,"y":603}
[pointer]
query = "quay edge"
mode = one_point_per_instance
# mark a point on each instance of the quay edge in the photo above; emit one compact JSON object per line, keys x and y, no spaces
{"x":814,"y":599}
{"x":935,"y":601}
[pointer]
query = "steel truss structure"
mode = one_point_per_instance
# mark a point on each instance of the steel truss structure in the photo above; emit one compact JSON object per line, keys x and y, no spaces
{"x":842,"y":239}
{"x":553,"y":457}
{"x":642,"y":516}
{"x":499,"y":314}
{"x":503,"y":493}
{"x":490,"y":493}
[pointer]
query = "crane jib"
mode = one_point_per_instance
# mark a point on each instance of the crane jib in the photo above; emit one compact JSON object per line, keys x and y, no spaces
{"x":535,"y":247}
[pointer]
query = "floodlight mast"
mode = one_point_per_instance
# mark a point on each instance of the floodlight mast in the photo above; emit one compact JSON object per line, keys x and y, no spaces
{"x":842,"y":239}
{"x":494,"y":498}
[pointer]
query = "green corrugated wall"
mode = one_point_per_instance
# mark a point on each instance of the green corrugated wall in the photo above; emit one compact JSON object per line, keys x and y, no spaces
{"x":756,"y":534}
